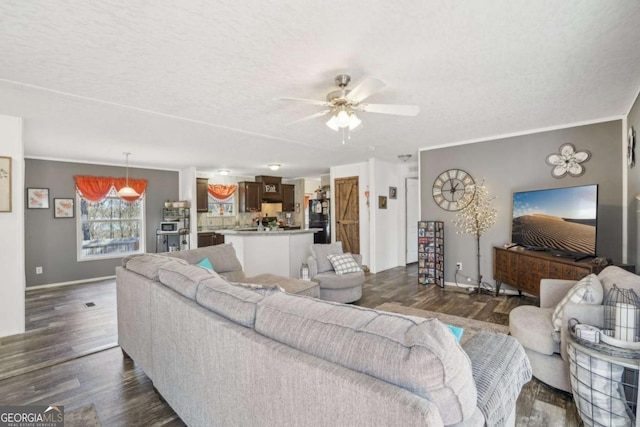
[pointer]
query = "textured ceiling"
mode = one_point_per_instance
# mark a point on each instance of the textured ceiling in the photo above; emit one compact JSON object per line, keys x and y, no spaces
{"x":193,"y":83}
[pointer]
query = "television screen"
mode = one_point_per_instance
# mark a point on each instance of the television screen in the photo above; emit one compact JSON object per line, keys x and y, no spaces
{"x":562,"y":219}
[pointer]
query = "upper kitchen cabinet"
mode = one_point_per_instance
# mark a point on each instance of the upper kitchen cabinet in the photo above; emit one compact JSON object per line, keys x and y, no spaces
{"x":271,"y":188}
{"x":202,"y":194}
{"x":288,"y":198}
{"x":250,"y":197}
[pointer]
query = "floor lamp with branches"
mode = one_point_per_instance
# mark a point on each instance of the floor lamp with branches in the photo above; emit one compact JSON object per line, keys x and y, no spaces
{"x":476,"y":218}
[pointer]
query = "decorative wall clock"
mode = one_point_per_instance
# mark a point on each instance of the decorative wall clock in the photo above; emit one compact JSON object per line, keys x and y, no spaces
{"x":631,"y":148}
{"x":453,"y":189}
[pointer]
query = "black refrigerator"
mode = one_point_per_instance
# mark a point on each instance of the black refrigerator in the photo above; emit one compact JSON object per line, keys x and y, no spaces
{"x":319,"y":217}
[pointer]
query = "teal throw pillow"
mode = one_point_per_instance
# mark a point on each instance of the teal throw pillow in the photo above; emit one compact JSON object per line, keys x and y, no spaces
{"x":457,"y":332}
{"x":206,"y":264}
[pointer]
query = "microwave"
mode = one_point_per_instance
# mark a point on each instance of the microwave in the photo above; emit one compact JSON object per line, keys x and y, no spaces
{"x":170,"y":226}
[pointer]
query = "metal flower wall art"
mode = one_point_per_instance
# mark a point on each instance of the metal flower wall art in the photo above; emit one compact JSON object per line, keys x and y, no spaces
{"x":567,"y":161}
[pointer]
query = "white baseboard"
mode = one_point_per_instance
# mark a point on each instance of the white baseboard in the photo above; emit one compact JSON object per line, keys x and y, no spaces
{"x":73,"y":282}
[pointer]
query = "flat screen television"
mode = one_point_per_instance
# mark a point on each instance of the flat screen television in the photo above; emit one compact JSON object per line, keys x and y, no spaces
{"x":562,"y":221}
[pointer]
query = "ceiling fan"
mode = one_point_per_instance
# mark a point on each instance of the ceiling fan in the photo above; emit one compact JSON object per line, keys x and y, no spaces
{"x":343,"y":104}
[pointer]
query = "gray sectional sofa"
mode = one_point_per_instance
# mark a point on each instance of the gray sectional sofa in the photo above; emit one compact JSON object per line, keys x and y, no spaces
{"x":235,"y":354}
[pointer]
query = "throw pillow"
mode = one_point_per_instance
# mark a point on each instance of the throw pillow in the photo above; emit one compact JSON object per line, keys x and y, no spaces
{"x":344,"y":263}
{"x":586,"y":291}
{"x":206,"y":264}
{"x":457,"y":331}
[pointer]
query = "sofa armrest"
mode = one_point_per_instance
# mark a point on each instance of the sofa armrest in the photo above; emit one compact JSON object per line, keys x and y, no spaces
{"x":589,"y":314}
{"x":553,"y":290}
{"x":313,"y":266}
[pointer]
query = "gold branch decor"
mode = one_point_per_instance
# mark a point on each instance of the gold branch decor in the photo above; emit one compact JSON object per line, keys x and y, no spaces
{"x":476,"y":218}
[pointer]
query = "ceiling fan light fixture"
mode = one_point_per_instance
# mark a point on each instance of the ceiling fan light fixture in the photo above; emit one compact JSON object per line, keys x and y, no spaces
{"x":404,"y":157}
{"x":274,"y":166}
{"x":127,"y":191}
{"x":333,"y":123}
{"x":343,"y":118}
{"x":354,"y":121}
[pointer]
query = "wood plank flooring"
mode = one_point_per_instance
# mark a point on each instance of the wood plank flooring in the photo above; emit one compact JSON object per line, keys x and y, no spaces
{"x":86,"y":373}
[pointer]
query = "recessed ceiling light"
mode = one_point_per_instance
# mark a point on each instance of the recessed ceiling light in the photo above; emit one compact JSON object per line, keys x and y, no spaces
{"x":224,"y":171}
{"x":274,"y":166}
{"x":371,"y":148}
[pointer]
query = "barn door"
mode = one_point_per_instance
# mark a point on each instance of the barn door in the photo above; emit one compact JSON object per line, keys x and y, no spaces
{"x":347,"y":214}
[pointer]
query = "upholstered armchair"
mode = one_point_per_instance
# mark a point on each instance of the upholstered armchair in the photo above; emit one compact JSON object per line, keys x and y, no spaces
{"x":532,"y":326}
{"x":335,"y":286}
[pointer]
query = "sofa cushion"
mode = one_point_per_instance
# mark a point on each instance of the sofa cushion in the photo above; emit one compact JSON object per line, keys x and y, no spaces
{"x":321,"y":251}
{"x":330,"y":280}
{"x":420,"y":355}
{"x":343,"y":263}
{"x":184,"y":279}
{"x":532,"y":327}
{"x":579,"y":294}
{"x":236,"y":303}
{"x":223,"y":257}
{"x":148,"y":265}
{"x":614,"y":275}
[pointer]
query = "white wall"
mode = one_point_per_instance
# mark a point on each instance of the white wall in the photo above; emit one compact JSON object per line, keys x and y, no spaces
{"x":361,"y":170}
{"x":387,"y":225}
{"x":12,"y":231}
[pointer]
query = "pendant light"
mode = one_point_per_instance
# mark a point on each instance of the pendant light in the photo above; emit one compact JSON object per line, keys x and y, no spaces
{"x":127,"y":191}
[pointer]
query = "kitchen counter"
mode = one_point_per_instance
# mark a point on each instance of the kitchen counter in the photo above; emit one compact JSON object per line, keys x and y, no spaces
{"x":279,"y":252}
{"x":255,"y":232}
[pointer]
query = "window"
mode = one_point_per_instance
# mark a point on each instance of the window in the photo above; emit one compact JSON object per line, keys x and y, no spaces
{"x":220,"y":207}
{"x":109,"y":228}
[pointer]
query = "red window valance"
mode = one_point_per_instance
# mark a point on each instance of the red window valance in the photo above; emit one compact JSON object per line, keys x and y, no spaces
{"x":221,"y":192}
{"x":96,"y":188}
{"x":306,"y":201}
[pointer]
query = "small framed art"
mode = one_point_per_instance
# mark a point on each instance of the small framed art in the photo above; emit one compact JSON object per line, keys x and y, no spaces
{"x":382,"y":202}
{"x":393,"y":192}
{"x":37,"y":198}
{"x":63,"y":208}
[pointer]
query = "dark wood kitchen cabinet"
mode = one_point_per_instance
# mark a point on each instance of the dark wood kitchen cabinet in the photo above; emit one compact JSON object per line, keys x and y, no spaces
{"x":210,"y":239}
{"x":249,"y":195}
{"x":202,"y":194}
{"x":288,"y":198}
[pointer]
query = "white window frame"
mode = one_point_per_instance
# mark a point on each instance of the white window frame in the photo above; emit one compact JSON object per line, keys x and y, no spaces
{"x":79,"y":233}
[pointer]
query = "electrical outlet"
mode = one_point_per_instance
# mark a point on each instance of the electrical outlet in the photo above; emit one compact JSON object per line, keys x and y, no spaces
{"x":38,"y":270}
{"x":458,"y":266}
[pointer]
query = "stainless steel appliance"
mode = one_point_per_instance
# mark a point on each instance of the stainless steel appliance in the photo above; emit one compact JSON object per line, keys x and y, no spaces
{"x":319,"y":217}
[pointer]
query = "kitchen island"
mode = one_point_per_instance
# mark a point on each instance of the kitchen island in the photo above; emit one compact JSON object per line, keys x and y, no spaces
{"x":279,"y":252}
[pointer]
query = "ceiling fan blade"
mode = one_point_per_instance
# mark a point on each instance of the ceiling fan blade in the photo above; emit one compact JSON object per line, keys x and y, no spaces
{"x":305,"y":101}
{"x":399,"y":110}
{"x":366,"y":88}
{"x":313,"y":116}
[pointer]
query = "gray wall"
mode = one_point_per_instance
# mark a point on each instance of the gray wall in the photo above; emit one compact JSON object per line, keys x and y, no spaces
{"x":517,"y":164}
{"x":51,"y":242}
{"x":634,"y":189}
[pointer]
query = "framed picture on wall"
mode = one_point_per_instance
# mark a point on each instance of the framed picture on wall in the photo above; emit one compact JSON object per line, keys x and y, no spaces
{"x":382,"y":202}
{"x":63,"y":208}
{"x":37,"y":198}
{"x":5,"y":184}
{"x":393,"y":192}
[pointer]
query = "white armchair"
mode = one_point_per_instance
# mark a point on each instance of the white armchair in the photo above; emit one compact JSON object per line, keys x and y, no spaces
{"x":533,"y":328}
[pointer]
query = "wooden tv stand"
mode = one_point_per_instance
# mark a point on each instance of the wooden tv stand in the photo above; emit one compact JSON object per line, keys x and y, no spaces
{"x":523,"y":269}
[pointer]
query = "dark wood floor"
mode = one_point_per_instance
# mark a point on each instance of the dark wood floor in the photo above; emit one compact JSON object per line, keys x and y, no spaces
{"x":81,"y":365}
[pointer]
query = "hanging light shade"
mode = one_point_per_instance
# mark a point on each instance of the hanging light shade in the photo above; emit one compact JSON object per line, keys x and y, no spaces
{"x":127,"y":191}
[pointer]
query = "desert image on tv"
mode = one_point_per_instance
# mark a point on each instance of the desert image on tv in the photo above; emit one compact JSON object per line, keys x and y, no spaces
{"x":561,"y":219}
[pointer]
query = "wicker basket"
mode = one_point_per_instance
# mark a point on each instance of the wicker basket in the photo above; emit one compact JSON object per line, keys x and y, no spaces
{"x":601,"y":346}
